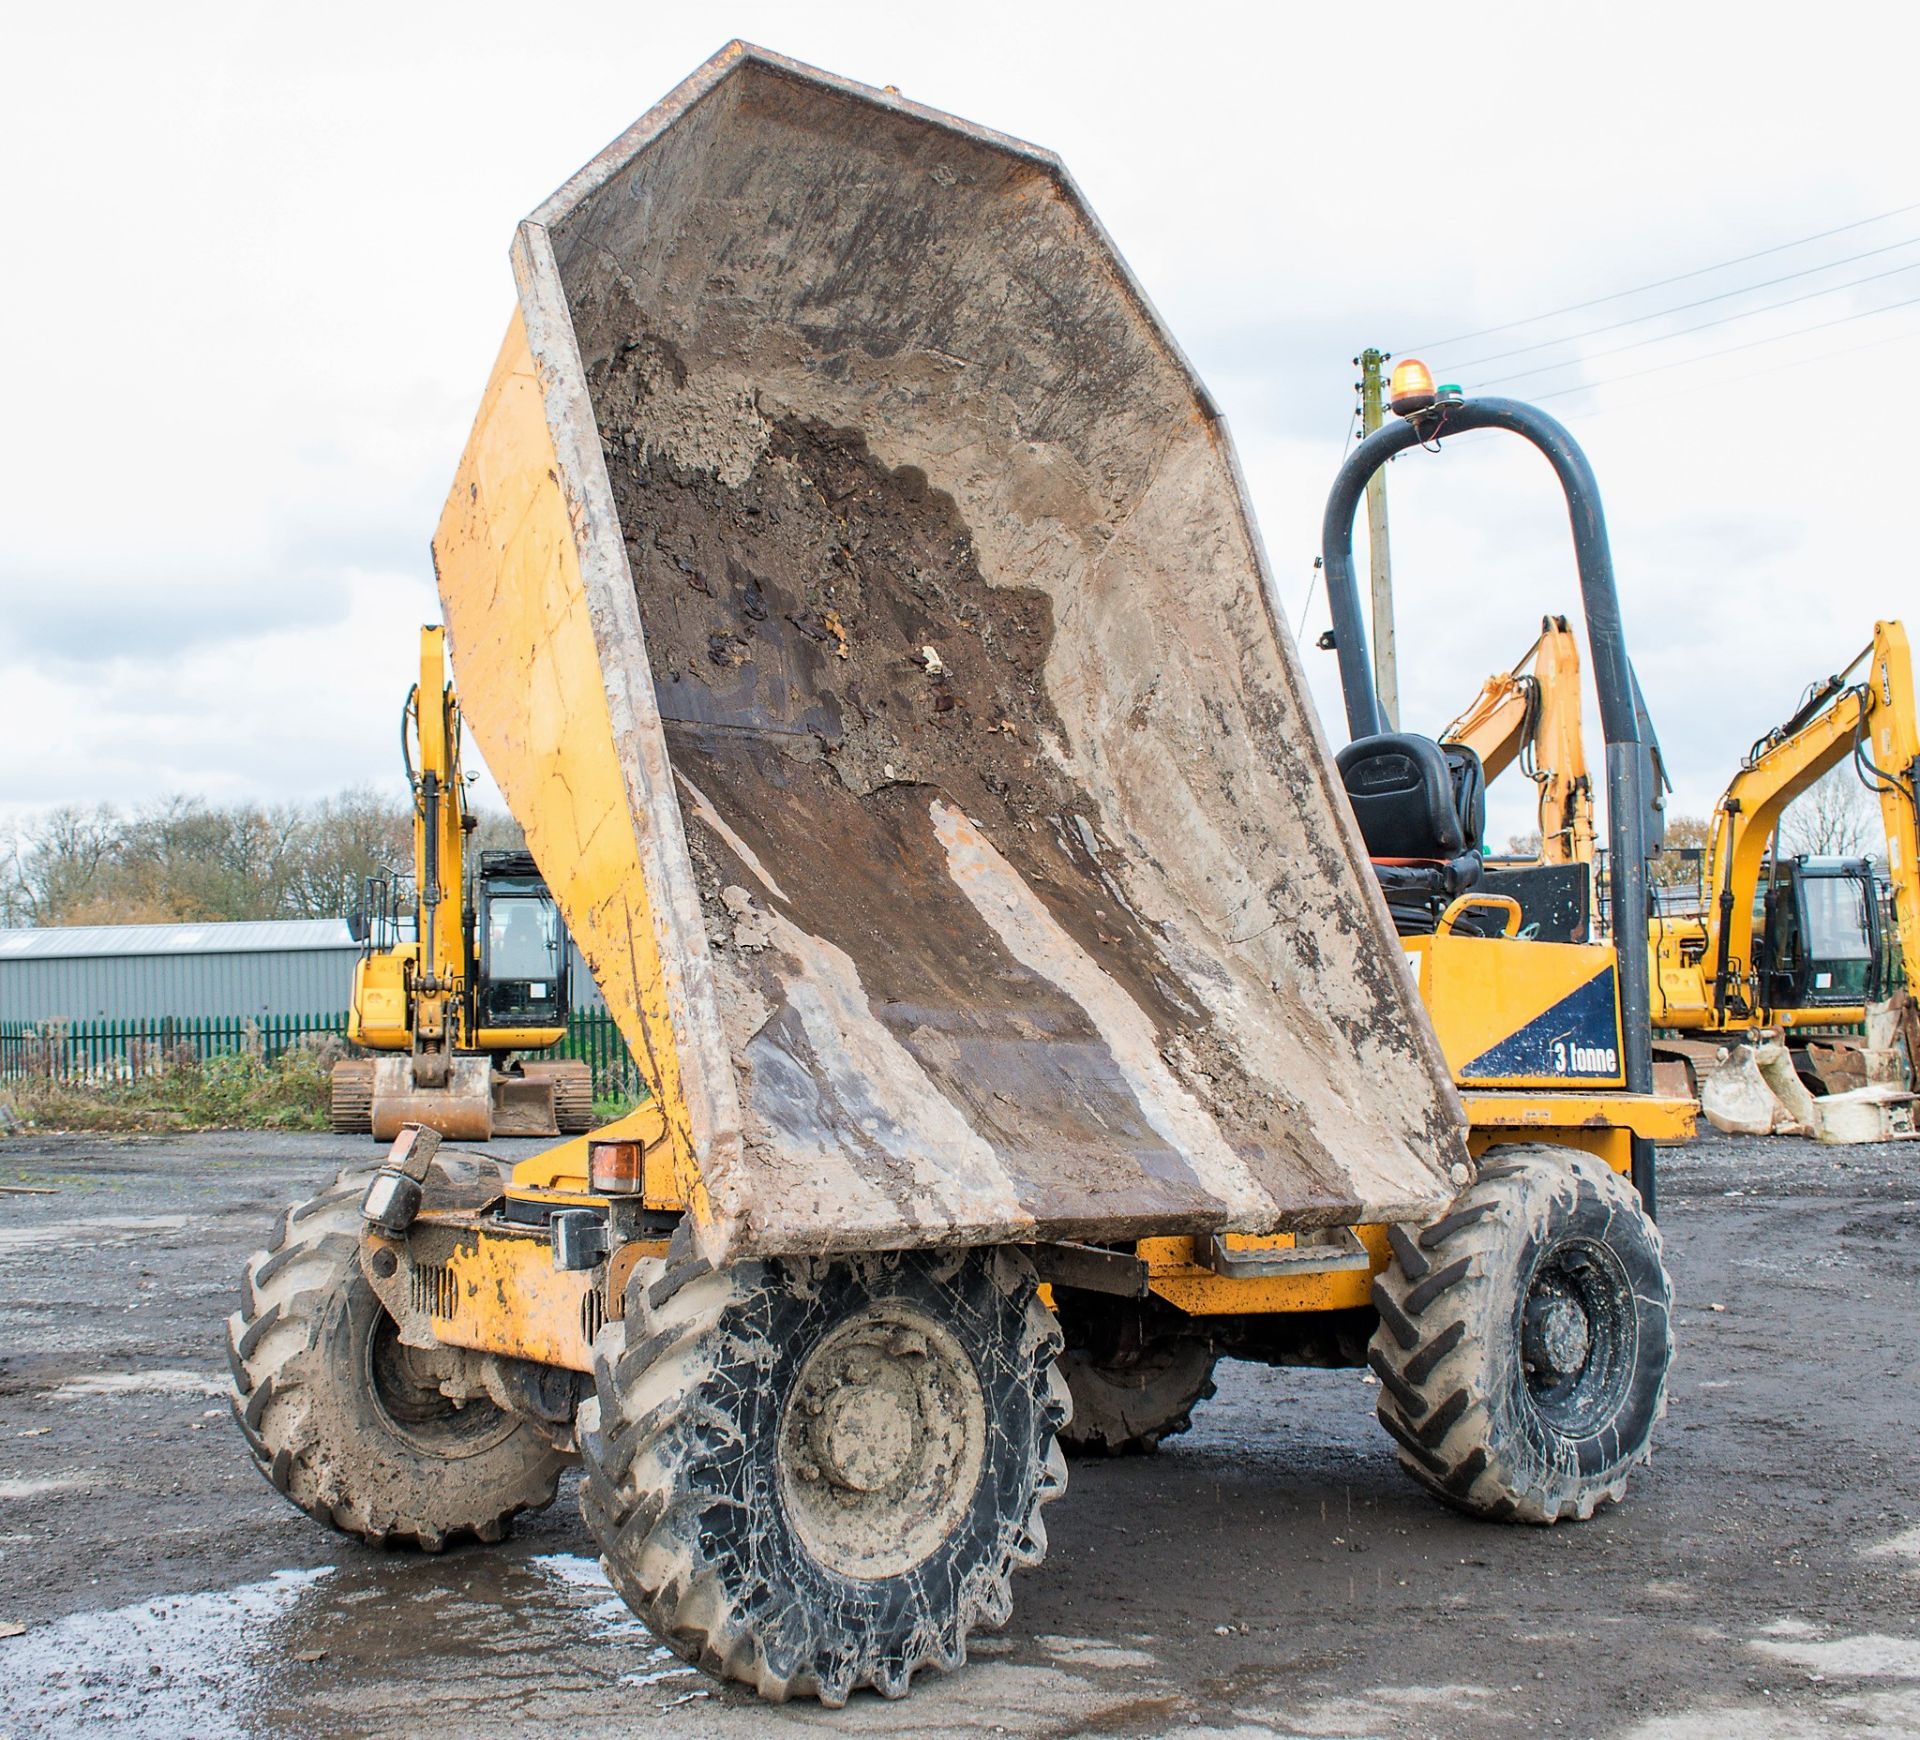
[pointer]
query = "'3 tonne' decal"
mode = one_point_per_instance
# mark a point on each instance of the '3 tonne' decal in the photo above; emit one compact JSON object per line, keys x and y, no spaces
{"x":1578,"y":1038}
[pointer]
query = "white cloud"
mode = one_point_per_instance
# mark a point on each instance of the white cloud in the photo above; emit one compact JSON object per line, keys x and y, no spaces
{"x":259,"y":276}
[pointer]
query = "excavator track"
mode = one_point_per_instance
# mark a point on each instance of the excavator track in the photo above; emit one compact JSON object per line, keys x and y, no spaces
{"x":572,"y":1085}
{"x":350,"y":1109}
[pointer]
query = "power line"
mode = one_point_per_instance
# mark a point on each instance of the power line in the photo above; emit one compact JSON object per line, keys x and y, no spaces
{"x":1734,"y":380}
{"x":1703,"y":325}
{"x":1313,"y":578}
{"x":1729,"y":350}
{"x":1662,"y":283}
{"x":1683,"y":307}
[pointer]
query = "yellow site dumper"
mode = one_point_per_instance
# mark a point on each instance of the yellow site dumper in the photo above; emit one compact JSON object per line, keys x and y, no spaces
{"x":854,"y":594}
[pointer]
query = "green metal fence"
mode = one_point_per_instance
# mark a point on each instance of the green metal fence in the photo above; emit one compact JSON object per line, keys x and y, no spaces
{"x":81,"y":1051}
{"x":118,"y":1050}
{"x":593,"y":1038}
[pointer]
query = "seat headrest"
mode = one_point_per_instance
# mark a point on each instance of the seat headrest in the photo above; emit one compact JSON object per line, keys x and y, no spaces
{"x":1412,"y":797}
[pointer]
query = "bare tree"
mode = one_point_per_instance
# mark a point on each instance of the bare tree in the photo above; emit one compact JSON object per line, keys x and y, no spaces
{"x":1679,"y":863}
{"x":56,"y":864}
{"x":1835,"y":817}
{"x":183,"y":859}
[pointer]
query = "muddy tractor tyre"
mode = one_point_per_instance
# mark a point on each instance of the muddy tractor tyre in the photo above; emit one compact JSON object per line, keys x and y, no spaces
{"x":1134,"y":1382}
{"x":815,"y":1476}
{"x":350,"y":1097}
{"x":1524,"y":1339}
{"x":354,"y":1428}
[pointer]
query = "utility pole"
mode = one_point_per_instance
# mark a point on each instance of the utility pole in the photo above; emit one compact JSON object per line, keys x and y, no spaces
{"x":1386,"y":667}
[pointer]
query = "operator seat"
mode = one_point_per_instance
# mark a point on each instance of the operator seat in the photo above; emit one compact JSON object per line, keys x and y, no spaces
{"x":1422,"y":809}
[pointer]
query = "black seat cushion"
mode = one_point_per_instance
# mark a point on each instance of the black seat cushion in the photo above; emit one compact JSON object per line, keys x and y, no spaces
{"x":1422,"y":809}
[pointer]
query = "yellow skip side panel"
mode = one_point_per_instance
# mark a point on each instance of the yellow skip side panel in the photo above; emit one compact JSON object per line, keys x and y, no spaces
{"x":510,"y":583}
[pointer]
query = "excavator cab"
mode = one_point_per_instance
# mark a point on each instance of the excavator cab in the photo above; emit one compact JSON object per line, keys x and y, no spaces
{"x":520,"y":949}
{"x":1822,"y":942}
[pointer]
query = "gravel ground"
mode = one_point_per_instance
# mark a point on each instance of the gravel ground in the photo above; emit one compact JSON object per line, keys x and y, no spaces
{"x":1270,"y":1573}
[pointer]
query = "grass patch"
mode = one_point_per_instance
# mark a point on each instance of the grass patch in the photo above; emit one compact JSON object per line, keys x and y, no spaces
{"x":237,"y":1091}
{"x":609,"y":1108}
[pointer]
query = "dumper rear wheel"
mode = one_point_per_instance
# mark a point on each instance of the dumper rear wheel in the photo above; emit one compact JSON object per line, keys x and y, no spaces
{"x":1524,"y":1339}
{"x":816,"y":1476}
{"x":1135,"y":1373}
{"x":388,"y":1443}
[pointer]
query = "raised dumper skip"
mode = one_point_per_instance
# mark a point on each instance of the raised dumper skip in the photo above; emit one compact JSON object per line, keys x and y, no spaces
{"x":853,"y":592}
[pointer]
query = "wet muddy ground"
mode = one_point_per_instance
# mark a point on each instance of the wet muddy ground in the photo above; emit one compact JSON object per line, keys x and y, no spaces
{"x":1270,"y":1573}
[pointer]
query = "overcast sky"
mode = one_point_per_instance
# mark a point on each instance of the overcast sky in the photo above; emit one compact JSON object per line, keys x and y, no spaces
{"x":256,"y":272}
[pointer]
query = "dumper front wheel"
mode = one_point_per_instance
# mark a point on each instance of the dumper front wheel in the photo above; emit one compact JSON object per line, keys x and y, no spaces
{"x":388,"y":1443}
{"x":1524,"y":1339}
{"x":816,"y":1476}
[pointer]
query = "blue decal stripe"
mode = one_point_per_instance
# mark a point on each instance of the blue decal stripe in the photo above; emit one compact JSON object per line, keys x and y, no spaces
{"x":1550,"y":1044}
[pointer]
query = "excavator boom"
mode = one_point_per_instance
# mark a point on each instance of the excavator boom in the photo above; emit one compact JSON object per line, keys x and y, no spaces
{"x":1533,"y":716}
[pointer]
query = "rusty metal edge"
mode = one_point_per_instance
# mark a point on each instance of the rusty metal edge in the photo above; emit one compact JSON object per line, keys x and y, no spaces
{"x":708,"y":1087}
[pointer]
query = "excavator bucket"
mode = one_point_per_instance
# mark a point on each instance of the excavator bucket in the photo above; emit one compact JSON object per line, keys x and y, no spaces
{"x":853,"y":592}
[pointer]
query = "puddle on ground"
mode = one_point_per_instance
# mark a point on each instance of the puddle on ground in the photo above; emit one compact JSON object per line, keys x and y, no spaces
{"x":472,"y":1641}
{"x":161,"y":1668}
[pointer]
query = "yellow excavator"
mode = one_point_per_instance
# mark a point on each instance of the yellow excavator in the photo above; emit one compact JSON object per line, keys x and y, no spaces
{"x":1531,"y":714}
{"x":458,"y":972}
{"x":1793,"y":940}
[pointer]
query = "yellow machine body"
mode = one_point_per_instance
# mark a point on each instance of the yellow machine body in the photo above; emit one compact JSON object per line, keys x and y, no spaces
{"x":684,"y":775}
{"x":1704,"y":975}
{"x":1531,"y":714}
{"x":379,"y":1015}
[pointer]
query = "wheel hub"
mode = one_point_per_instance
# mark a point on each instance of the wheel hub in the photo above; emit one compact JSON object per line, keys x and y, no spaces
{"x":1577,"y":1336}
{"x":411,"y":1387}
{"x":867,"y":1437}
{"x":883,"y":1442}
{"x":1558,"y":1335}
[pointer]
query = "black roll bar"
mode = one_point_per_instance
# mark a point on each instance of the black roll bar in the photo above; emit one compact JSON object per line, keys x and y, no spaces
{"x":1629,"y":762}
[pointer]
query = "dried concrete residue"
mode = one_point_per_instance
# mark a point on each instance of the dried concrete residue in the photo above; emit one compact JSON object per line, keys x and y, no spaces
{"x":751,"y":929}
{"x":826,"y":652}
{"x":1095,"y":1652}
{"x":142,"y":1383}
{"x":689,"y":423}
{"x":22,"y":1488}
{"x":890,"y":1147}
{"x":1904,"y":1546}
{"x":1033,"y":936}
{"x":1829,"y":1663}
{"x":107,"y":1231}
{"x":1869,"y":1656}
